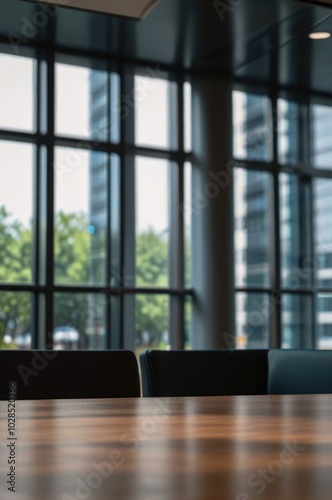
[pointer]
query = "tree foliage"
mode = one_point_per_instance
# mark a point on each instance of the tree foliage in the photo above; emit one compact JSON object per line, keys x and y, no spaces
{"x":15,"y":267}
{"x":72,"y":251}
{"x":151,"y":271}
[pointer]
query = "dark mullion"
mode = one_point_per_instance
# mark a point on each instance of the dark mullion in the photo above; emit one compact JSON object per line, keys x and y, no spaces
{"x":296,"y":291}
{"x":298,"y":169}
{"x":49,"y":297}
{"x":36,"y":203}
{"x":275,"y":338}
{"x":307,"y":123}
{"x":128,"y":222}
{"x":171,"y":154}
{"x":178,"y":306}
{"x":104,"y":147}
{"x":37,"y":212}
{"x":12,"y":135}
{"x":107,"y":290}
{"x":87,"y":144}
{"x":108,"y":323}
{"x":314,"y":319}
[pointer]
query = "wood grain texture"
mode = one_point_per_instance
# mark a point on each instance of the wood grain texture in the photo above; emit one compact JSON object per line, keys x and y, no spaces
{"x":204,"y":448}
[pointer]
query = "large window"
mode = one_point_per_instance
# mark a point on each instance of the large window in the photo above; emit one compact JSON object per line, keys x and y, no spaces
{"x":94,"y":162}
{"x":283,"y":214}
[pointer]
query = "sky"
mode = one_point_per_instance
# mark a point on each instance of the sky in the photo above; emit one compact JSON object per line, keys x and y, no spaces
{"x":72,"y":118}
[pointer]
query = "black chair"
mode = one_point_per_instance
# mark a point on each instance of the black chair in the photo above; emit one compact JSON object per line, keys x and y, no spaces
{"x":296,"y":371}
{"x":204,"y":373}
{"x":69,"y":374}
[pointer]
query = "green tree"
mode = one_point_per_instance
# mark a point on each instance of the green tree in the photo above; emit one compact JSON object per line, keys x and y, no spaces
{"x":15,"y":267}
{"x":72,"y":243}
{"x":151,"y":270}
{"x":72,"y":259}
{"x":72,"y":250}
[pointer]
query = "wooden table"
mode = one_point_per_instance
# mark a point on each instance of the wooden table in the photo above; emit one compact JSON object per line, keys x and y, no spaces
{"x":220,"y":448}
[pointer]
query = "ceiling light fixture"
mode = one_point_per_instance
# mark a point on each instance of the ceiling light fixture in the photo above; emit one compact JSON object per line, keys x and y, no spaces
{"x":319,"y":35}
{"x":136,"y":9}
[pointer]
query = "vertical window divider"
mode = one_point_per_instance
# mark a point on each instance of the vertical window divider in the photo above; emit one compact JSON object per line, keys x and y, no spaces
{"x":128,"y":202}
{"x":108,"y":269}
{"x":176,"y":199}
{"x":35,"y":333}
{"x":307,"y":134}
{"x":49,"y":298}
{"x":275,"y":298}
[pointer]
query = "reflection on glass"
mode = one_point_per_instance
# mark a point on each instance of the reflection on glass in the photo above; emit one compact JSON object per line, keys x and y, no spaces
{"x":151,"y":322}
{"x":153,"y":124}
{"x":252,"y":320}
{"x":81,"y":102}
{"x":80,"y":218}
{"x":252,"y":127}
{"x":118,"y":277}
{"x":296,"y":320}
{"x":187,"y":214}
{"x":115,"y":105}
{"x":17,"y":97}
{"x":79,"y":321}
{"x":15,"y":320}
{"x":287,"y":118}
{"x":187,"y":117}
{"x":324,"y":317}
{"x":252,"y":223}
{"x":323,"y":231}
{"x":292,"y":272}
{"x":321,"y":136}
{"x":152,"y":222}
{"x":16,"y":211}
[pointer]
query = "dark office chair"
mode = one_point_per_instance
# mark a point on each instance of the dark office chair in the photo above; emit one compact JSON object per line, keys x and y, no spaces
{"x":204,"y":373}
{"x":296,"y":371}
{"x":69,"y":374}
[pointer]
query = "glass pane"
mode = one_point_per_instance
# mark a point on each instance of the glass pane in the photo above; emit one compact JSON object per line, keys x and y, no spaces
{"x":115,"y":100}
{"x":187,"y":214}
{"x":296,"y":320}
{"x":288,"y":146}
{"x":151,"y":322}
{"x":252,"y":127}
{"x":289,"y":230}
{"x":324,"y":320}
{"x":252,"y":320}
{"x":297,"y":264}
{"x":153,"y":107}
{"x":187,"y":116}
{"x":252,"y":209}
{"x":152,"y":223}
{"x":80,"y":218}
{"x":15,"y":320}
{"x":81,"y":102}
{"x":79,"y":321}
{"x":321,"y":136}
{"x":16,"y":211}
{"x":17,"y":97}
{"x":323,"y":231}
{"x":118,"y":277}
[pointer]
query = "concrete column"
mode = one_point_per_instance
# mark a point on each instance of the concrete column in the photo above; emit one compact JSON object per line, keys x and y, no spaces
{"x":212,"y":217}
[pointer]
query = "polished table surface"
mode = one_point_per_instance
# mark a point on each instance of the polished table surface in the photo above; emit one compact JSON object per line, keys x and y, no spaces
{"x":204,"y":448}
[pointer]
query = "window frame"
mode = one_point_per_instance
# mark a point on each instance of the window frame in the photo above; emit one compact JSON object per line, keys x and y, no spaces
{"x":306,"y":173}
{"x":119,"y":327}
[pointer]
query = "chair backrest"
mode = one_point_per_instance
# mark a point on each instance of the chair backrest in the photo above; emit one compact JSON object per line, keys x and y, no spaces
{"x":296,"y":371}
{"x":69,"y":374}
{"x":204,"y":373}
